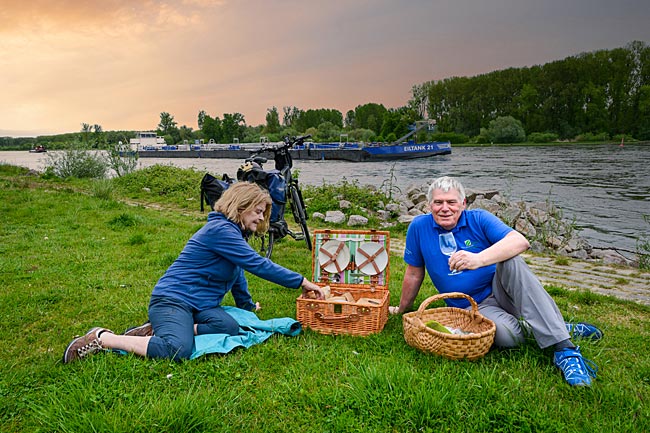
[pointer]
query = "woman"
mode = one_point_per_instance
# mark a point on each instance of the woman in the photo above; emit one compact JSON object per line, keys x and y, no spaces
{"x":186,"y":301}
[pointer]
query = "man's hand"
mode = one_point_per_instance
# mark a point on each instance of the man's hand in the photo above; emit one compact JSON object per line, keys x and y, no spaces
{"x":462,"y":260}
{"x":512,"y":244}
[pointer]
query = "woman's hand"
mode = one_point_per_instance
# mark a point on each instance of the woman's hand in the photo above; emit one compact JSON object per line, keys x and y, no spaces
{"x":310,"y":288}
{"x":258,"y":307}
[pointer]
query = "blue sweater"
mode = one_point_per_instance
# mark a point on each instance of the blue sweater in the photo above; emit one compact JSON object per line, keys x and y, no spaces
{"x":213,"y":262}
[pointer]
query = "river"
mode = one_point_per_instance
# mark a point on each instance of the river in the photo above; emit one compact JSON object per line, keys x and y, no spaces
{"x":605,"y":188}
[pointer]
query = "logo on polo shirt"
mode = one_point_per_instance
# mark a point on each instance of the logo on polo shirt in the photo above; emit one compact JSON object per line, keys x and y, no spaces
{"x":468,"y":243}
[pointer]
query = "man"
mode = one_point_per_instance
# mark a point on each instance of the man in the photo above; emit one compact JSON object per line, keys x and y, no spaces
{"x":487,"y":267}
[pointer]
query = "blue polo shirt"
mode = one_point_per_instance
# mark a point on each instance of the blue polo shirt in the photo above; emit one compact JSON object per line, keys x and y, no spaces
{"x":477,"y":229}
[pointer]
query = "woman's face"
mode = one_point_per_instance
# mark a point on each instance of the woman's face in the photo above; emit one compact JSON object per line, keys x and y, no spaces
{"x":252,"y":218}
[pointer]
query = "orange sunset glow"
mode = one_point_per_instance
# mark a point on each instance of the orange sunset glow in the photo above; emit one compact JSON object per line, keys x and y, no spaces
{"x":119,"y":63}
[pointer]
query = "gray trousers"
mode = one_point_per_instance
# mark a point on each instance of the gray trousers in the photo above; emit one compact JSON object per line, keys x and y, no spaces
{"x":520,"y":305}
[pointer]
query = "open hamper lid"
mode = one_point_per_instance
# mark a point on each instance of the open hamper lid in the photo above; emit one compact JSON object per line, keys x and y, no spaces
{"x":351,"y":258}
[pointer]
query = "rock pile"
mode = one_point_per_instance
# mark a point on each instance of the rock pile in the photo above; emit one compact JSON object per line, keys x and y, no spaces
{"x":542,"y":223}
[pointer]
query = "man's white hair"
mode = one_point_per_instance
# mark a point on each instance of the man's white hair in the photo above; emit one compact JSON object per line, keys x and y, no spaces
{"x":445,"y":184}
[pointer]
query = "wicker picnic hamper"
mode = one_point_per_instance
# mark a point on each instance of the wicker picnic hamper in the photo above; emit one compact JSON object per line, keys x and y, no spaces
{"x":470,"y":346}
{"x":352,"y":264}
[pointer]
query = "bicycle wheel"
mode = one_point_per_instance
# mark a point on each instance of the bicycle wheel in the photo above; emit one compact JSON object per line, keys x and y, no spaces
{"x":299,"y":212}
{"x":263,"y":244}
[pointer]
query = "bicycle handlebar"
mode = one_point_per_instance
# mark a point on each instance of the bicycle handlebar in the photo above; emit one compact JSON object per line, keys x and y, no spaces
{"x":289,"y":142}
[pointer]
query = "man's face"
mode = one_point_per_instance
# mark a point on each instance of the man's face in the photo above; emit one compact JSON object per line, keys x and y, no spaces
{"x":446,"y":208}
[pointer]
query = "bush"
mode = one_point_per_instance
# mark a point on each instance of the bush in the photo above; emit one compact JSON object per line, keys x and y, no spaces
{"x":542,"y":137}
{"x":592,"y":137}
{"x":506,"y":129}
{"x":122,"y":159}
{"x":76,"y":162}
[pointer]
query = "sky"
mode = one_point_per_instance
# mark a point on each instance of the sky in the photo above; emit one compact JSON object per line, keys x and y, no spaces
{"x":120,"y":63}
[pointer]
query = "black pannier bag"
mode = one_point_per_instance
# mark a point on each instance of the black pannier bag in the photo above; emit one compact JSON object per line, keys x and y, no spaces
{"x":270,"y":180}
{"x":212,"y":188}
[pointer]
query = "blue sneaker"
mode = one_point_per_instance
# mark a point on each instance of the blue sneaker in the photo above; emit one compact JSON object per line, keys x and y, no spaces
{"x":577,"y":371}
{"x":584,"y":330}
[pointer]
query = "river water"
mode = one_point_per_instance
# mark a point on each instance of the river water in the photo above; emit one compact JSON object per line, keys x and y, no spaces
{"x":605,"y":188}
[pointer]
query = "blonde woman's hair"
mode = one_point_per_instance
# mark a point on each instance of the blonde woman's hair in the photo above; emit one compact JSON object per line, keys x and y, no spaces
{"x":445,"y":184}
{"x":241,"y":198}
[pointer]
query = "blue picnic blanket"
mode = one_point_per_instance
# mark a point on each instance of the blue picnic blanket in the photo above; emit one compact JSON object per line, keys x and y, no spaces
{"x":252,"y":330}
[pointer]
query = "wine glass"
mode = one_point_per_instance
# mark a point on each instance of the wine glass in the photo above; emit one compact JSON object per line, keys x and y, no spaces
{"x":448,"y":247}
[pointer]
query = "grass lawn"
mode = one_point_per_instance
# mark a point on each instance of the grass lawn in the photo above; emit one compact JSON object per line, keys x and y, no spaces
{"x":72,"y":259}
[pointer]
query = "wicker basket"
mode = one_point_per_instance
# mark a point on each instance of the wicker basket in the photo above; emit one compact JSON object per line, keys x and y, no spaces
{"x":471,"y":346}
{"x":356,"y":319}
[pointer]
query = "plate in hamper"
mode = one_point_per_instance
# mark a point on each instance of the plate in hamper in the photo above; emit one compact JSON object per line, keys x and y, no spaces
{"x":333,"y":256}
{"x":371,"y":258}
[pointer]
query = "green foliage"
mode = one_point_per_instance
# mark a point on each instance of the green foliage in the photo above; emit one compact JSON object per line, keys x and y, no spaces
{"x":76,"y":162}
{"x":327,"y":132}
{"x":542,"y":137}
{"x":12,"y":170}
{"x":506,"y":129}
{"x":233,"y":126}
{"x":388,"y":187}
{"x":167,"y":127}
{"x":482,"y":137}
{"x":327,"y":197}
{"x":121,"y":159}
{"x":102,"y":189}
{"x":562,"y":261}
{"x":166,"y":182}
{"x":124,"y":220}
{"x":369,"y":116}
{"x":452,"y":137}
{"x":361,"y":135}
{"x":313,"y":118}
{"x":272,"y":121}
{"x":600,"y":91}
{"x":590,"y":137}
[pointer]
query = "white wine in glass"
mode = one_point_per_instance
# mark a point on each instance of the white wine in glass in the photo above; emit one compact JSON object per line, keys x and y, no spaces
{"x":448,"y":247}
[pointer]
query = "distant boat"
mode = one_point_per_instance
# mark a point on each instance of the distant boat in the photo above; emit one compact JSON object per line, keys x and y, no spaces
{"x":354,"y":152}
{"x":38,"y":149}
{"x":403,"y":148}
{"x":359,"y":152}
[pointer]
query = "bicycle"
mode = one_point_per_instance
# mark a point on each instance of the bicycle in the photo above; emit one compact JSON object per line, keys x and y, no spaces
{"x":282,"y":186}
{"x":253,"y":171}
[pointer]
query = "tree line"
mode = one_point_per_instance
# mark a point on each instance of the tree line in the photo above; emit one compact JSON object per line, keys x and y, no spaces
{"x":597,"y":94}
{"x":594,"y":96}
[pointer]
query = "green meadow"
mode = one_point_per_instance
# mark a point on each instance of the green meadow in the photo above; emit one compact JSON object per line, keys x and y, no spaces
{"x":82,"y":253}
